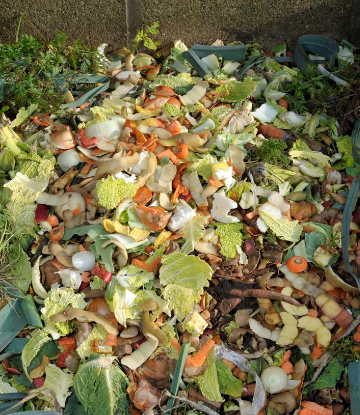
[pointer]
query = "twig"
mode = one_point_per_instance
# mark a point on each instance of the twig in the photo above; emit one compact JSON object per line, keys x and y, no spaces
{"x":197,"y":406}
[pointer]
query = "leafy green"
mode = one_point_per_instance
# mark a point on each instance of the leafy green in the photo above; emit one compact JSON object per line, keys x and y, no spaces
{"x":34,"y":165}
{"x":235,"y":91}
{"x":73,"y":405}
{"x":312,"y":241}
{"x":282,"y":228}
{"x":31,"y":349}
{"x":180,"y":81}
{"x":331,"y":374}
{"x":277,"y":175}
{"x":230,"y":237}
{"x":184,"y":278}
{"x":171,"y":110}
{"x":315,"y":157}
{"x":239,"y":189}
{"x":203,"y":166}
{"x":97,"y":283}
{"x":23,"y":114}
{"x":99,"y":114}
{"x":220,"y":112}
{"x":208,"y":381}
{"x":143,"y":35}
{"x":97,"y":334}
{"x":57,"y":381}
{"x":25,"y":191}
{"x":278,"y":356}
{"x":112,"y":191}
{"x":344,"y":146}
{"x":274,"y":152}
{"x":228,"y":383}
{"x":32,"y":71}
{"x":91,"y":230}
{"x":100,"y":386}
{"x":194,"y":231}
{"x":124,"y":294}
{"x":57,"y":301}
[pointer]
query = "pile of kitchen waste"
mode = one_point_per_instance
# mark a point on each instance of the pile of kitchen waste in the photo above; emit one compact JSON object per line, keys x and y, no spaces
{"x":180,"y":237}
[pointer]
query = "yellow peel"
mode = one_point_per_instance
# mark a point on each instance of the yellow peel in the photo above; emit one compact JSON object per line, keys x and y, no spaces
{"x":109,"y":226}
{"x":292,"y":309}
{"x":289,"y":332}
{"x":161,"y":238}
{"x":323,"y":335}
{"x":139,"y":234}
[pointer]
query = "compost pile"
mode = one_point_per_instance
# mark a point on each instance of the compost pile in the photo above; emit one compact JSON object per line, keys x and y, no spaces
{"x":182,"y":233}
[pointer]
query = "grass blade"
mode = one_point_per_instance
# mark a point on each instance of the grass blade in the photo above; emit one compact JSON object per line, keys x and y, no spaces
{"x":177,"y":376}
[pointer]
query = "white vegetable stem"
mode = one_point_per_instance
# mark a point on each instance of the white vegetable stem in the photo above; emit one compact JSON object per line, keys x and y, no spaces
{"x":334,"y":78}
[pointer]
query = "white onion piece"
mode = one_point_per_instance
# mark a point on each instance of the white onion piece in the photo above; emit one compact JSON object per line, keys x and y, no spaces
{"x":83,"y":261}
{"x":70,"y":278}
{"x":274,"y":379}
{"x":68,"y":159}
{"x":107,"y":130}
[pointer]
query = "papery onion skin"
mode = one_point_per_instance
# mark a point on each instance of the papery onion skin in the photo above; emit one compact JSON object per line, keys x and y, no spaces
{"x":83,"y":261}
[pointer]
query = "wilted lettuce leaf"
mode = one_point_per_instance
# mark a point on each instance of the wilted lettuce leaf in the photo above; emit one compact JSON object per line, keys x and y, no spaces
{"x":331,"y":374}
{"x":237,"y":91}
{"x":194,"y":231}
{"x":228,"y":383}
{"x":56,"y":302}
{"x":31,"y":349}
{"x":59,"y":382}
{"x":100,"y":386}
{"x":184,"y":278}
{"x":98,"y":335}
{"x":283,"y":228}
{"x":312,"y":241}
{"x":208,"y":381}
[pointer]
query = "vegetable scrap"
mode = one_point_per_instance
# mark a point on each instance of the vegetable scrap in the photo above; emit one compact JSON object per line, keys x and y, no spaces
{"x":183,"y":230}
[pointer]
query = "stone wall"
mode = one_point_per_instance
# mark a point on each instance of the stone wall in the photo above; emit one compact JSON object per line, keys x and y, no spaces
{"x":193,"y":21}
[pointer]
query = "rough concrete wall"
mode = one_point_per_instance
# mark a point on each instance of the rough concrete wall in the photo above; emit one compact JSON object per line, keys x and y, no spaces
{"x":194,"y":21}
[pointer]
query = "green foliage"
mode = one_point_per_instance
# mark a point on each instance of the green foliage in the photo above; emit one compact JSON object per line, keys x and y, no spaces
{"x":208,"y":381}
{"x":144,"y":36}
{"x":273,"y":152}
{"x":31,"y":70}
{"x":228,"y":383}
{"x":112,"y":191}
{"x":331,"y":374}
{"x":230,"y":237}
